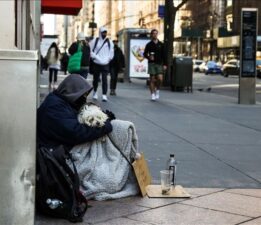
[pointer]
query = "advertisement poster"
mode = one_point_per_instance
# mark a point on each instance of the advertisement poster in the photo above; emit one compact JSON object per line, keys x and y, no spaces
{"x":138,"y":64}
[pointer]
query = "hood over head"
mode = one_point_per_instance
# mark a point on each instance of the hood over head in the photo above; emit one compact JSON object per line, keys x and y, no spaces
{"x":102,"y":29}
{"x":73,"y":87}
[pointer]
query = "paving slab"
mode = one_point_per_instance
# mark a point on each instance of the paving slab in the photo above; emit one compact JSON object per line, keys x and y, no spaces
{"x":121,"y":221}
{"x":187,"y":215}
{"x":150,"y":202}
{"x":105,"y":210}
{"x":248,"y":192}
{"x":252,"y":222}
{"x":228,"y":202}
{"x":196,"y":192}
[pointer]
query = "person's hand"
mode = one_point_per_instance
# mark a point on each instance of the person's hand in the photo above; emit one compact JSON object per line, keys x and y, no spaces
{"x":151,"y":57}
{"x":164,"y":67}
{"x":110,"y":115}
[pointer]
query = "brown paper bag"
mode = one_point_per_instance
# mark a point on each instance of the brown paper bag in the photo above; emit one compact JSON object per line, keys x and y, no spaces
{"x":142,"y":174}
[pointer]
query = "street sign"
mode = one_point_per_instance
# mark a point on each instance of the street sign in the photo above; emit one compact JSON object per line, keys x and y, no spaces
{"x":248,"y":43}
{"x":248,"y":47}
{"x":92,"y":25}
{"x":161,"y":11}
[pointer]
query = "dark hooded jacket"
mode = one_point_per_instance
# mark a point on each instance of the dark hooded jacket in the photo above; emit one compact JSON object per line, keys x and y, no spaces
{"x":85,"y":53}
{"x":57,"y":121}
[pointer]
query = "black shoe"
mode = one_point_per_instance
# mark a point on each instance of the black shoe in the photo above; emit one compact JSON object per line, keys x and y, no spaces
{"x":112,"y":92}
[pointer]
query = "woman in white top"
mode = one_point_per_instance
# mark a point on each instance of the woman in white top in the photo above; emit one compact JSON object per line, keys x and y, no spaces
{"x":53,"y":60}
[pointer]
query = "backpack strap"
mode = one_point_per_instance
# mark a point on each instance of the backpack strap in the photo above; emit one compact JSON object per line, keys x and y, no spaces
{"x":106,"y":40}
{"x":124,"y":156}
{"x":95,"y":44}
{"x":79,"y":49}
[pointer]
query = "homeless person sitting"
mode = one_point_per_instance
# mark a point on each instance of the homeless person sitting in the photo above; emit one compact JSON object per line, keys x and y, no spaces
{"x":57,"y":122}
{"x":97,"y":151}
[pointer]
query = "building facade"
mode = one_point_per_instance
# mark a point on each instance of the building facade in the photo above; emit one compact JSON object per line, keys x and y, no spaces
{"x":20,"y":28}
{"x":229,"y":41}
{"x":200,"y":27}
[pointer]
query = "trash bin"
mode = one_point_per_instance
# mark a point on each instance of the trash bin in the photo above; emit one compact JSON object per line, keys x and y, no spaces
{"x":181,"y":75}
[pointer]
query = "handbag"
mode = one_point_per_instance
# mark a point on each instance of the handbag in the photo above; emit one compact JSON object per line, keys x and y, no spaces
{"x":75,"y":60}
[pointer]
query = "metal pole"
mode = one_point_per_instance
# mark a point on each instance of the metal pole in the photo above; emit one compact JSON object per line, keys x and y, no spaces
{"x":66,"y":31}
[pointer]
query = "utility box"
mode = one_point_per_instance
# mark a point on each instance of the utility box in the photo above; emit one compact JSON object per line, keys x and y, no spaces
{"x":18,"y":99}
{"x":181,"y":75}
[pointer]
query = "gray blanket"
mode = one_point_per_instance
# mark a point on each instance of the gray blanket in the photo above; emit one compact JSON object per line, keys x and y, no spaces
{"x":104,"y":173}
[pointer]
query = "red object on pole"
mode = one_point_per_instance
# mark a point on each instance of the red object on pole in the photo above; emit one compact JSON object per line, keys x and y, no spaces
{"x":63,"y":7}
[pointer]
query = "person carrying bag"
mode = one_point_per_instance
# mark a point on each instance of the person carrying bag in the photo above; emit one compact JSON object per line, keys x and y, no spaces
{"x":80,"y":56}
{"x":74,"y":64}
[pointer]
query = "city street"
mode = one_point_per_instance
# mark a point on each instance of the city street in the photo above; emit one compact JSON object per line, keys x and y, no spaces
{"x":218,"y":84}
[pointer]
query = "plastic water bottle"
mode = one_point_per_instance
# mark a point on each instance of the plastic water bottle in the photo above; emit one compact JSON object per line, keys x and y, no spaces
{"x":53,"y":203}
{"x":172,"y":165}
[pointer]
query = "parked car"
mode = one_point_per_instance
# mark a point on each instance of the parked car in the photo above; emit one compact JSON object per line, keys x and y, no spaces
{"x":202,"y":67}
{"x":196,"y":64}
{"x":212,"y":67}
{"x":231,"y":67}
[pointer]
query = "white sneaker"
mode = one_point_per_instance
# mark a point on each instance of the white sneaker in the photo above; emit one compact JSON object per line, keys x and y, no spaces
{"x":95,"y":96}
{"x":153,"y":97}
{"x":55,"y":86}
{"x":104,"y":98}
{"x":157,"y":95}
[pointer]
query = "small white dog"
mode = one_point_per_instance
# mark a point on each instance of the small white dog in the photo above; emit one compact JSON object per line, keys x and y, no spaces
{"x":92,"y":115}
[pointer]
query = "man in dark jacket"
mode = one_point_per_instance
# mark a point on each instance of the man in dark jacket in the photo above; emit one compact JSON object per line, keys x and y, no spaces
{"x":116,"y":65}
{"x":57,"y":122}
{"x":85,"y":53}
{"x":64,"y":62}
{"x":154,"y":52}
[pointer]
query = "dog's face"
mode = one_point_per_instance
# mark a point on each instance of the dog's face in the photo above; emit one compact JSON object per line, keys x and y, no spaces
{"x":92,"y":115}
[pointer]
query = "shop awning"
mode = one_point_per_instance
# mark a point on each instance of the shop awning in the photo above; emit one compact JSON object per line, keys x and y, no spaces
{"x":64,"y":7}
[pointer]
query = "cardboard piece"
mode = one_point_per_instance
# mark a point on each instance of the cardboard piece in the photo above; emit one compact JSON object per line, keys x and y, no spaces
{"x":142,"y":173}
{"x":154,"y":191}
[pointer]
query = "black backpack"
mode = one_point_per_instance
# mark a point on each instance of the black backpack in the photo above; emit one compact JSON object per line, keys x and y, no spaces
{"x":57,"y":186}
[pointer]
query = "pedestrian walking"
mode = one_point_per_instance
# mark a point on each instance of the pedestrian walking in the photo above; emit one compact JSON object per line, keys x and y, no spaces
{"x":53,"y":61}
{"x":83,"y":45}
{"x":102,"y":52}
{"x":154,"y":52}
{"x":64,"y":62}
{"x":116,"y":65}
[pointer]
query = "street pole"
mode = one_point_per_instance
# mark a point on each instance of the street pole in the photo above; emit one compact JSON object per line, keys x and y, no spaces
{"x":66,"y":31}
{"x":211,"y":37}
{"x":169,"y":17}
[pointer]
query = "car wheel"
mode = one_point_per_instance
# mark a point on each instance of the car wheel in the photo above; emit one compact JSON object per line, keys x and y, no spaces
{"x":225,"y":73}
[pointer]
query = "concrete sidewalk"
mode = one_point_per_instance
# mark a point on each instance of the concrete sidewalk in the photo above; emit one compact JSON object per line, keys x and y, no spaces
{"x":207,"y":206}
{"x":217,"y":144}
